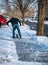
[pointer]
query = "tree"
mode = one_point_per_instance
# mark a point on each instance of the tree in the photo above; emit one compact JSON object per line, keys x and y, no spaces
{"x":19,"y":8}
{"x":41,"y":16}
{"x":23,"y":6}
{"x":9,"y":11}
{"x":7,"y":8}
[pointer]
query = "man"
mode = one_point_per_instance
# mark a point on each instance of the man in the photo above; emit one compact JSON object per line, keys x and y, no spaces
{"x":14,"y":22}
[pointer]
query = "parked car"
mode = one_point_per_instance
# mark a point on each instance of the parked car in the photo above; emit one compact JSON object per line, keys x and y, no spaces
{"x":2,"y":20}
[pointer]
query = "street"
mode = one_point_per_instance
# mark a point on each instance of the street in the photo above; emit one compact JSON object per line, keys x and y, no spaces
{"x":33,"y":26}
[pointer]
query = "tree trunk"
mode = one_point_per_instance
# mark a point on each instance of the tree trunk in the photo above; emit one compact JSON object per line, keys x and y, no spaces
{"x":41,"y":15}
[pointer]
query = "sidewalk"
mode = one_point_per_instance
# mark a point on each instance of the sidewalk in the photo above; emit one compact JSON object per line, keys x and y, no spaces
{"x":16,"y":52}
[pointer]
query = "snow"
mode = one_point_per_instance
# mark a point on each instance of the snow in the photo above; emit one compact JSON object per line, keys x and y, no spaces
{"x":46,"y":22}
{"x":2,"y":11}
{"x":7,"y":46}
{"x":8,"y":52}
{"x":27,"y":31}
{"x":32,"y":20}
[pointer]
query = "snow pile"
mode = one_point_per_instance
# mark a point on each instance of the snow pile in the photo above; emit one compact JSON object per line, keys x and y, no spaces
{"x":7,"y":46}
{"x":43,"y":40}
{"x":46,"y":22}
{"x":26,"y":32}
{"x":7,"y":51}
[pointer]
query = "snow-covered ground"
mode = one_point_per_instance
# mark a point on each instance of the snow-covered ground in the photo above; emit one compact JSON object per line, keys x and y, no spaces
{"x":8,"y":52}
{"x":46,"y":22}
{"x":27,"y":33}
{"x":7,"y":46}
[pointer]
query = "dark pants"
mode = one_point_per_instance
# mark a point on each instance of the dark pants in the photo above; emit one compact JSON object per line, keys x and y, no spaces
{"x":16,"y":26}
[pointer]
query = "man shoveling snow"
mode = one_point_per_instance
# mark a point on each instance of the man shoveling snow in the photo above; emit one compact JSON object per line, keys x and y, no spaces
{"x":14,"y":22}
